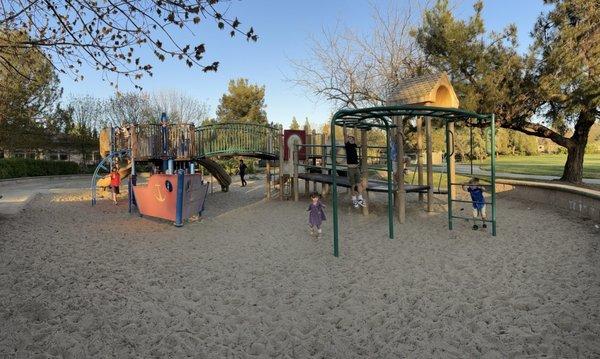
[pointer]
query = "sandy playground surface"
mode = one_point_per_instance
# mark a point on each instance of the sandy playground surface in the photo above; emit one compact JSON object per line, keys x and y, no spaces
{"x":247,"y":281}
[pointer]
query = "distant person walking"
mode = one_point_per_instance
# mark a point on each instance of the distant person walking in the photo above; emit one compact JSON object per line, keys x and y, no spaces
{"x":115,"y":183}
{"x":242,"y":170}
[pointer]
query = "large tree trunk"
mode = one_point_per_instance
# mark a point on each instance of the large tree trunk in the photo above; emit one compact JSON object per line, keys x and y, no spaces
{"x":573,"y":171}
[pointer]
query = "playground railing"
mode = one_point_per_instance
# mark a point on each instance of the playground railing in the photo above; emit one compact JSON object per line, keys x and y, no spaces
{"x":149,"y":141}
{"x":180,"y":141}
{"x":238,"y":138}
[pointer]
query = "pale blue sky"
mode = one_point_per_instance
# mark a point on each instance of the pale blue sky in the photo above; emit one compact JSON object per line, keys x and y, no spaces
{"x":284,"y":28}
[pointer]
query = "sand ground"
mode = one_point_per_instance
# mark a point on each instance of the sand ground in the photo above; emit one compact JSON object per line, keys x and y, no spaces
{"x":248,"y":281}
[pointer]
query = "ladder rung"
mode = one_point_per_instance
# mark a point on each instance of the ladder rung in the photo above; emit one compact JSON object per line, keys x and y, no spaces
{"x":471,"y":218}
{"x":466,"y":184}
{"x":463,"y":201}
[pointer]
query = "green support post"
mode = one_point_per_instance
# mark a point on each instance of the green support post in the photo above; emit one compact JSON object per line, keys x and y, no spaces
{"x":390,"y":181}
{"x":493,"y":179}
{"x":471,"y":139}
{"x":448,"y":175}
{"x":334,"y":197}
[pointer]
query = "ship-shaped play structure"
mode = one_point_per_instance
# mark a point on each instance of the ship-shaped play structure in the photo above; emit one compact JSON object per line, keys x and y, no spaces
{"x":175,"y":189}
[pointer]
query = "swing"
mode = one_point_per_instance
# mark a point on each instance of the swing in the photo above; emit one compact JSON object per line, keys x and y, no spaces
{"x":439,"y":190}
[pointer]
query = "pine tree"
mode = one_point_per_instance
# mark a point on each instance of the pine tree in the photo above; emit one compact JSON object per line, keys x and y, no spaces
{"x":243,"y":102}
{"x":490,"y":76}
{"x":294,"y":125}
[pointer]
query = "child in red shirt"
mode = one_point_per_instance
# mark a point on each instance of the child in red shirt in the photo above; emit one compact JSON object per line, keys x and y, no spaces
{"x":115,"y":182}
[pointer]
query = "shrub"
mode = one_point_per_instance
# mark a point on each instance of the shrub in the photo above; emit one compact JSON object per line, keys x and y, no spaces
{"x":22,"y":167}
{"x":593,"y":147}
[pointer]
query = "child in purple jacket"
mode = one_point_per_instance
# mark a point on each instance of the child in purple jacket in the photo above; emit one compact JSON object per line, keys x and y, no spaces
{"x":316,"y":214}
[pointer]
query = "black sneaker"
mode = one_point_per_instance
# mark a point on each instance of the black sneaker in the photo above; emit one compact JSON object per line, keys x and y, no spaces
{"x":475,"y":227}
{"x":484,"y":225}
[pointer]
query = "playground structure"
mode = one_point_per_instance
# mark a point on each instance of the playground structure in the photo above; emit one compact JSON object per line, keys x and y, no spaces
{"x":318,"y":167}
{"x":423,"y":99}
{"x":182,"y":147}
{"x":175,"y":189}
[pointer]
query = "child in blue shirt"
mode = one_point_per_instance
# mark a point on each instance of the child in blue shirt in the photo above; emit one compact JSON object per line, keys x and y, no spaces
{"x":478,"y":200}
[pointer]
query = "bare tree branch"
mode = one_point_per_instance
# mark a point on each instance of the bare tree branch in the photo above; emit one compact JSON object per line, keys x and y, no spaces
{"x":107,"y":34}
{"x":352,"y":70}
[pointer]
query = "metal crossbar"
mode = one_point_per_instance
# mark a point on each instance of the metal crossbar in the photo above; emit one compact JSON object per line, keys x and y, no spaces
{"x":463,"y":201}
{"x":380,"y":117}
{"x":471,"y":218}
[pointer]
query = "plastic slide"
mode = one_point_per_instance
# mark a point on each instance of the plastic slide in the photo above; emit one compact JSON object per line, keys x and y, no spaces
{"x":218,"y":172}
{"x":104,"y":182}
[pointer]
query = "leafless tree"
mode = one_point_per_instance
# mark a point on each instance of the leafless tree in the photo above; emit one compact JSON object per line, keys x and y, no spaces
{"x":127,"y":108}
{"x":86,"y":111}
{"x":352,"y":69}
{"x":180,"y":107}
{"x":107,"y":34}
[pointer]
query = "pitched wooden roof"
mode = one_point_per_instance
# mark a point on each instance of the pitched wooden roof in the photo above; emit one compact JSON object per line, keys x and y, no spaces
{"x":431,"y":90}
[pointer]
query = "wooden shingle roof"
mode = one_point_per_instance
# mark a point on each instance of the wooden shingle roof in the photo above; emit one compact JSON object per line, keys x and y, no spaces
{"x":431,"y":90}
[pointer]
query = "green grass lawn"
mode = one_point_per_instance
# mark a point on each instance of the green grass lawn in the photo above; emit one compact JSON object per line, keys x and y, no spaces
{"x":412,"y":179}
{"x":547,"y":165}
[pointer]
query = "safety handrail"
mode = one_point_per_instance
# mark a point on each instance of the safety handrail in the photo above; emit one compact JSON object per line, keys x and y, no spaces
{"x":238,"y":139}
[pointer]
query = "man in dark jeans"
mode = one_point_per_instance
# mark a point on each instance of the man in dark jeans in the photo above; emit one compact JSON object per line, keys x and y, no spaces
{"x":243,"y":172}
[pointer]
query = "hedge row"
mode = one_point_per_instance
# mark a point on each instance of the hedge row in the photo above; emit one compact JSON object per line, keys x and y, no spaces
{"x":22,"y":167}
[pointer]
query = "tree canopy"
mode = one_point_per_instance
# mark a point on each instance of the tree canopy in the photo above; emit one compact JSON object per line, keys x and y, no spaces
{"x":28,"y":92}
{"x":557,"y":78}
{"x":243,"y":102}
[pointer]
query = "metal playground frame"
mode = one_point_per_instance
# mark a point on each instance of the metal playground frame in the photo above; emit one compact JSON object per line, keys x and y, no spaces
{"x":389,"y":117}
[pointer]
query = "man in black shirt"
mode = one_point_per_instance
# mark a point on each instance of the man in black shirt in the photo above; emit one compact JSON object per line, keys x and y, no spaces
{"x":356,"y":187}
{"x":242,"y":169}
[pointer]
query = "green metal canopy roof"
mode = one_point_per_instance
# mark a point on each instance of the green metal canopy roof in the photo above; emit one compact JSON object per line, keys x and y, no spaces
{"x":380,"y":117}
